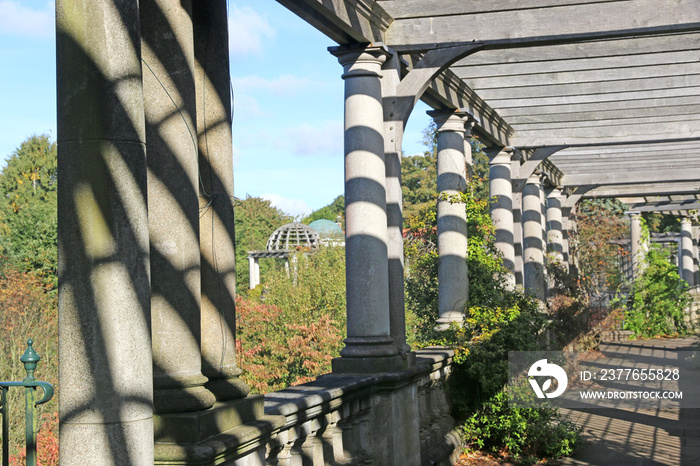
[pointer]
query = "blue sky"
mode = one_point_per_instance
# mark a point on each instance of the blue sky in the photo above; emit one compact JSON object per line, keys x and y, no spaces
{"x":288,"y":99}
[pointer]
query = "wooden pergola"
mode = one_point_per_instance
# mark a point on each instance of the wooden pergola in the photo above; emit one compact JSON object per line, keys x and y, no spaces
{"x":590,"y":97}
{"x":608,"y":91}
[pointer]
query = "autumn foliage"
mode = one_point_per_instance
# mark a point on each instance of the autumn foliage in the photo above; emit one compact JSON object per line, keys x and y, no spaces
{"x":290,"y":328}
{"x":275,"y":352}
{"x":27,"y":311}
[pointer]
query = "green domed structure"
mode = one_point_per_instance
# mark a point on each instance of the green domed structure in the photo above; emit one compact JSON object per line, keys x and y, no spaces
{"x":330,"y":232}
{"x":326,"y":227}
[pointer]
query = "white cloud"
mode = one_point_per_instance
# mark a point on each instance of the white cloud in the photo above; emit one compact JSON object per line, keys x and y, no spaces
{"x":294,"y":207}
{"x":247,"y":31}
{"x":236,"y":154}
{"x":16,"y":18}
{"x":325,"y":139}
{"x":245,"y":106}
{"x":284,"y":84}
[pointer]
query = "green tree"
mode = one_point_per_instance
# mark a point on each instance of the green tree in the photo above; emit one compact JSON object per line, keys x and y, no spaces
{"x":659,"y":298}
{"x":255,"y":220}
{"x":28,"y":206}
{"x":419,"y":175}
{"x":662,"y":223}
{"x":599,"y":223}
{"x":330,"y":212}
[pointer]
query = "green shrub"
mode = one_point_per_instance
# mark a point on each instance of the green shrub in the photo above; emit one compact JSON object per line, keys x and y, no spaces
{"x":526,"y":434}
{"x":498,"y":320}
{"x":659,"y":297}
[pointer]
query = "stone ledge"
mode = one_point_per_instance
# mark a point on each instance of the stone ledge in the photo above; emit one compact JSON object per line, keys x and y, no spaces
{"x":227,"y":445}
{"x":196,"y":426}
{"x":293,"y":406}
{"x":326,"y":388}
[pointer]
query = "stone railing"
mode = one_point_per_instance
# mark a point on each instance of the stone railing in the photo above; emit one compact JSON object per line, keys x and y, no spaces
{"x":394,"y":418}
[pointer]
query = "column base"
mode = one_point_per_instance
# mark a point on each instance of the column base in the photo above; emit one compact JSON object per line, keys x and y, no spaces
{"x":226,"y":385}
{"x":187,"y":428}
{"x":369,"y":347}
{"x":177,"y":400}
{"x":443,"y":323}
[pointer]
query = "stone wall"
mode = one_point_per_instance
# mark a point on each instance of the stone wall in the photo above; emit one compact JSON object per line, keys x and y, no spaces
{"x":399,"y":418}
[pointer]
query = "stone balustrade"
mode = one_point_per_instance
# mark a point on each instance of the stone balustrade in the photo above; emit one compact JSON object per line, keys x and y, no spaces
{"x":338,"y":419}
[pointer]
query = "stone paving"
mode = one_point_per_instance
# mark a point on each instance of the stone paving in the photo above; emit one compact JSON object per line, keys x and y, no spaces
{"x":645,"y":435}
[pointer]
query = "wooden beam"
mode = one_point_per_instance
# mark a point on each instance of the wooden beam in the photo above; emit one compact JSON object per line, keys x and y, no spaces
{"x":465,"y":68}
{"x":647,"y":189}
{"x":642,"y":103}
{"x":572,"y":159}
{"x":666,"y":207}
{"x":607,"y":97}
{"x":576,"y":51}
{"x":672,"y":124}
{"x":426,"y":77}
{"x":579,"y":89}
{"x":578,"y":21}
{"x":596,"y":76}
{"x":632,"y":150}
{"x":617,"y":114}
{"x":403,"y":9}
{"x":343,"y":21}
{"x":632,"y":177}
{"x":622,"y":167}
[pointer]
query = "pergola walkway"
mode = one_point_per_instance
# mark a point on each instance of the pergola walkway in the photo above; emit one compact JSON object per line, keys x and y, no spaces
{"x":570,"y":98}
{"x":642,"y":437}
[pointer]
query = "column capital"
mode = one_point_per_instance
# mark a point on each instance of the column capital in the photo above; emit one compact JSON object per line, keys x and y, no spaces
{"x":685,"y":220}
{"x":536,"y":177}
{"x":503,"y":157}
{"x":555,"y":193}
{"x":633,"y":213}
{"x":361,"y":60}
{"x":457,"y":120}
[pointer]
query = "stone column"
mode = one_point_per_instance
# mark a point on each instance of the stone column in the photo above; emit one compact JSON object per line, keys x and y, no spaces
{"x":517,"y":198}
{"x":686,"y":252}
{"x":569,"y":224}
{"x":636,"y":246}
{"x":533,"y":246}
{"x":105,"y":363}
{"x":555,"y":235}
{"x":254,"y":272}
{"x":518,"y":237}
{"x":501,"y":193}
{"x":468,"y":158}
{"x":453,"y":281}
{"x":393,"y":136}
{"x":173,"y":206}
{"x":566,"y":225}
{"x":555,"y":226}
{"x":696,"y":270}
{"x":216,"y":222}
{"x":369,"y":346}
